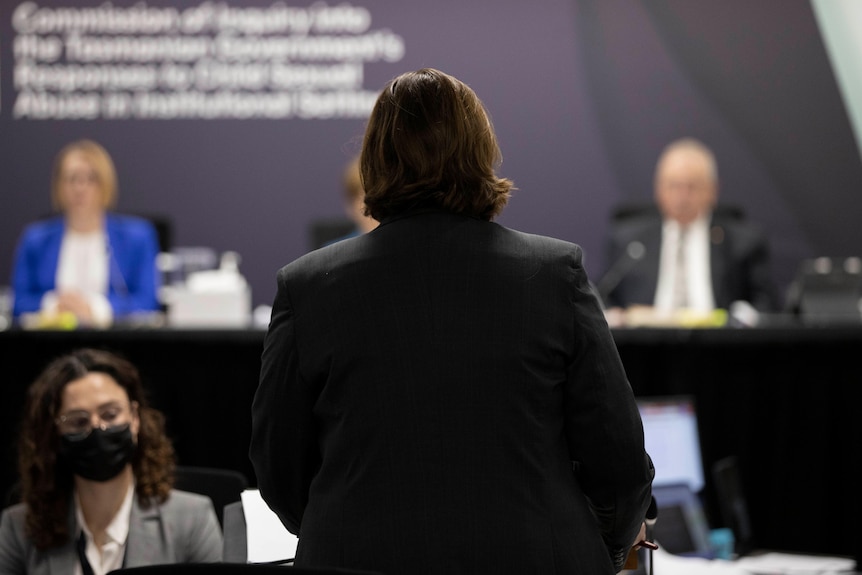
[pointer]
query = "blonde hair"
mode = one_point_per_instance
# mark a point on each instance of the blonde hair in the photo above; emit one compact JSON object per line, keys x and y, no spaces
{"x":101,"y":162}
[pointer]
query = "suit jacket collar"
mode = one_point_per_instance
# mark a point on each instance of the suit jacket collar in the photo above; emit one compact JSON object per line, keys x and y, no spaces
{"x":144,"y":546}
{"x":57,"y":224}
{"x":64,"y":559}
{"x":718,"y":262}
{"x":420,"y":212}
{"x":146,"y":543}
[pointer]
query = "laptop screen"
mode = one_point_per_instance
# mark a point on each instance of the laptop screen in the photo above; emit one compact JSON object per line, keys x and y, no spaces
{"x":672,"y":440}
{"x":681,"y":527}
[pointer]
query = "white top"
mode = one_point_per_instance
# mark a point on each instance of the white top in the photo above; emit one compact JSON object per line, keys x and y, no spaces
{"x":114,"y":549}
{"x":83,"y":267}
{"x":697,"y":266}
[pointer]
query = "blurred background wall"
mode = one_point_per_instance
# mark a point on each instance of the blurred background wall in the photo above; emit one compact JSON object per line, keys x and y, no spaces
{"x":236,"y":118}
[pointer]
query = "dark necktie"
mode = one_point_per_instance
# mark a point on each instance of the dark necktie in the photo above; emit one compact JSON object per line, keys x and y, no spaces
{"x":82,"y":555}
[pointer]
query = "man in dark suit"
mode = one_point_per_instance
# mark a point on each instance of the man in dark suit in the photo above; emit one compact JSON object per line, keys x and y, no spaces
{"x":442,"y":394}
{"x":688,"y":254}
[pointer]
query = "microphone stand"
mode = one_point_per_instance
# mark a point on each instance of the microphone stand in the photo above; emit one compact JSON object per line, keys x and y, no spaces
{"x":634,"y":252}
{"x":651,"y":516}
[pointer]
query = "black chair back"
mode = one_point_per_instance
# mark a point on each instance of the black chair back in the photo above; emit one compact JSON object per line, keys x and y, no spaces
{"x":635,"y":209}
{"x":323,"y":231}
{"x":223,"y":486}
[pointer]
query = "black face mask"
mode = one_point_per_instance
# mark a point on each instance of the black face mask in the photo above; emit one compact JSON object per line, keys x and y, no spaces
{"x":100,"y":456}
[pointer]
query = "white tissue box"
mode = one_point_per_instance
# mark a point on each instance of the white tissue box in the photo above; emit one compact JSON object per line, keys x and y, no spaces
{"x":188,"y":308}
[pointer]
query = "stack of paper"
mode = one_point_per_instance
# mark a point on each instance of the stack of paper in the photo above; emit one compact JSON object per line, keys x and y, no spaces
{"x":268,"y":540}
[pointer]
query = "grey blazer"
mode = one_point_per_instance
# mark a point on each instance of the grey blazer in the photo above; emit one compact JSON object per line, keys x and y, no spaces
{"x":184,"y":529}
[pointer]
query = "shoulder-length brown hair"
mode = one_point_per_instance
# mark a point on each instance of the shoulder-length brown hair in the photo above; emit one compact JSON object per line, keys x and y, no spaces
{"x":430,"y":143}
{"x":46,"y":479}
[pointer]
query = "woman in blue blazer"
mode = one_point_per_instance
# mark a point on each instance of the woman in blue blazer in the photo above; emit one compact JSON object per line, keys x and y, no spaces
{"x":86,"y":261}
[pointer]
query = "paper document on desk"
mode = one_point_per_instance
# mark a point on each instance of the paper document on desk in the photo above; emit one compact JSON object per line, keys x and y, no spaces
{"x":667,"y":564}
{"x":267,"y":539}
{"x":794,"y":564}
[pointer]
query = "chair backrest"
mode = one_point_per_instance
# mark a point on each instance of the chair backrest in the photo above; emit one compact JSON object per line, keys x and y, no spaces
{"x":628,"y":210}
{"x":325,"y":230}
{"x":163,"y":224}
{"x":732,"y":503}
{"x":164,"y":229}
{"x":235,"y":547}
{"x":234,"y":569}
{"x":223,"y":486}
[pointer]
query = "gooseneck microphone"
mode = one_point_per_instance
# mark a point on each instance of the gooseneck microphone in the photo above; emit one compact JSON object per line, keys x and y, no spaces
{"x":651,"y":516}
{"x":115,"y":274}
{"x":634,"y":252}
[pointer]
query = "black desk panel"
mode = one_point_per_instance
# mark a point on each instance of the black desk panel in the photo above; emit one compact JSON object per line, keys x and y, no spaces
{"x":783,"y":400}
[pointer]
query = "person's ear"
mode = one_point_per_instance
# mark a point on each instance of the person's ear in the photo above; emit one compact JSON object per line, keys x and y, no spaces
{"x":135,"y":424}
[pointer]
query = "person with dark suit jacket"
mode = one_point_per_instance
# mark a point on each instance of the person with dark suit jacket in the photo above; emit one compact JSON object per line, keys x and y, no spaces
{"x":86,"y":262}
{"x":442,"y":394}
{"x":96,"y":473}
{"x":689,"y":253}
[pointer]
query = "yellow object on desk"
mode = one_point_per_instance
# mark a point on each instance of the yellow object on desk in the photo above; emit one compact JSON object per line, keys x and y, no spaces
{"x":645,"y":316}
{"x":64,"y":320}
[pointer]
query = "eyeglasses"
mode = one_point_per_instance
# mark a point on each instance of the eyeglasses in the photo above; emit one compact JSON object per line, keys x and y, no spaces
{"x":80,"y":422}
{"x":73,"y":178}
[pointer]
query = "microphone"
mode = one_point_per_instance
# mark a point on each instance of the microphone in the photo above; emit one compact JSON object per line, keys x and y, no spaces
{"x":634,"y":252}
{"x":115,"y":274}
{"x":651,"y":516}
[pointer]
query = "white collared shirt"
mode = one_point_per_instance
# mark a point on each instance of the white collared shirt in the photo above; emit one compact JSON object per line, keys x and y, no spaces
{"x":114,"y":549}
{"x":698,"y":276}
{"x":83,"y":267}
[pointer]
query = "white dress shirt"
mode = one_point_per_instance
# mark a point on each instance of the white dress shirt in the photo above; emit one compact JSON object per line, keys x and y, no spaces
{"x":83,"y":267}
{"x":112,"y":552}
{"x":698,"y":277}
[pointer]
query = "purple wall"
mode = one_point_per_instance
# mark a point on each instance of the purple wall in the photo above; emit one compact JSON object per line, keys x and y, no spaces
{"x":583,"y":95}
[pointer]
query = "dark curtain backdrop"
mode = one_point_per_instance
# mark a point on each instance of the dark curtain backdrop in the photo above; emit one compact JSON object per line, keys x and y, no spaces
{"x":583,"y":94}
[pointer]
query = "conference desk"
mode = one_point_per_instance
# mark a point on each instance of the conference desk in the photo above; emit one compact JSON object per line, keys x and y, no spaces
{"x":781,"y":399}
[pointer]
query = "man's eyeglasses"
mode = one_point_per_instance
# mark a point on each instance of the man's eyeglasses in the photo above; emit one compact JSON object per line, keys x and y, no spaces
{"x":80,"y":422}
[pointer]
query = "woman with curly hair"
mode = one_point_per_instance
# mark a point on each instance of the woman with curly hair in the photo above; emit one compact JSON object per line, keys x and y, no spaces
{"x":96,"y":471}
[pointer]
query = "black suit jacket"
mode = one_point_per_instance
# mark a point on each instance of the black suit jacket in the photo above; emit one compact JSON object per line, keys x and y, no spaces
{"x":425,"y":389}
{"x":739,"y":262}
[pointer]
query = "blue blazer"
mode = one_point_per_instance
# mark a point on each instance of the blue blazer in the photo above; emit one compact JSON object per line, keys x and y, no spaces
{"x":132,"y":278}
